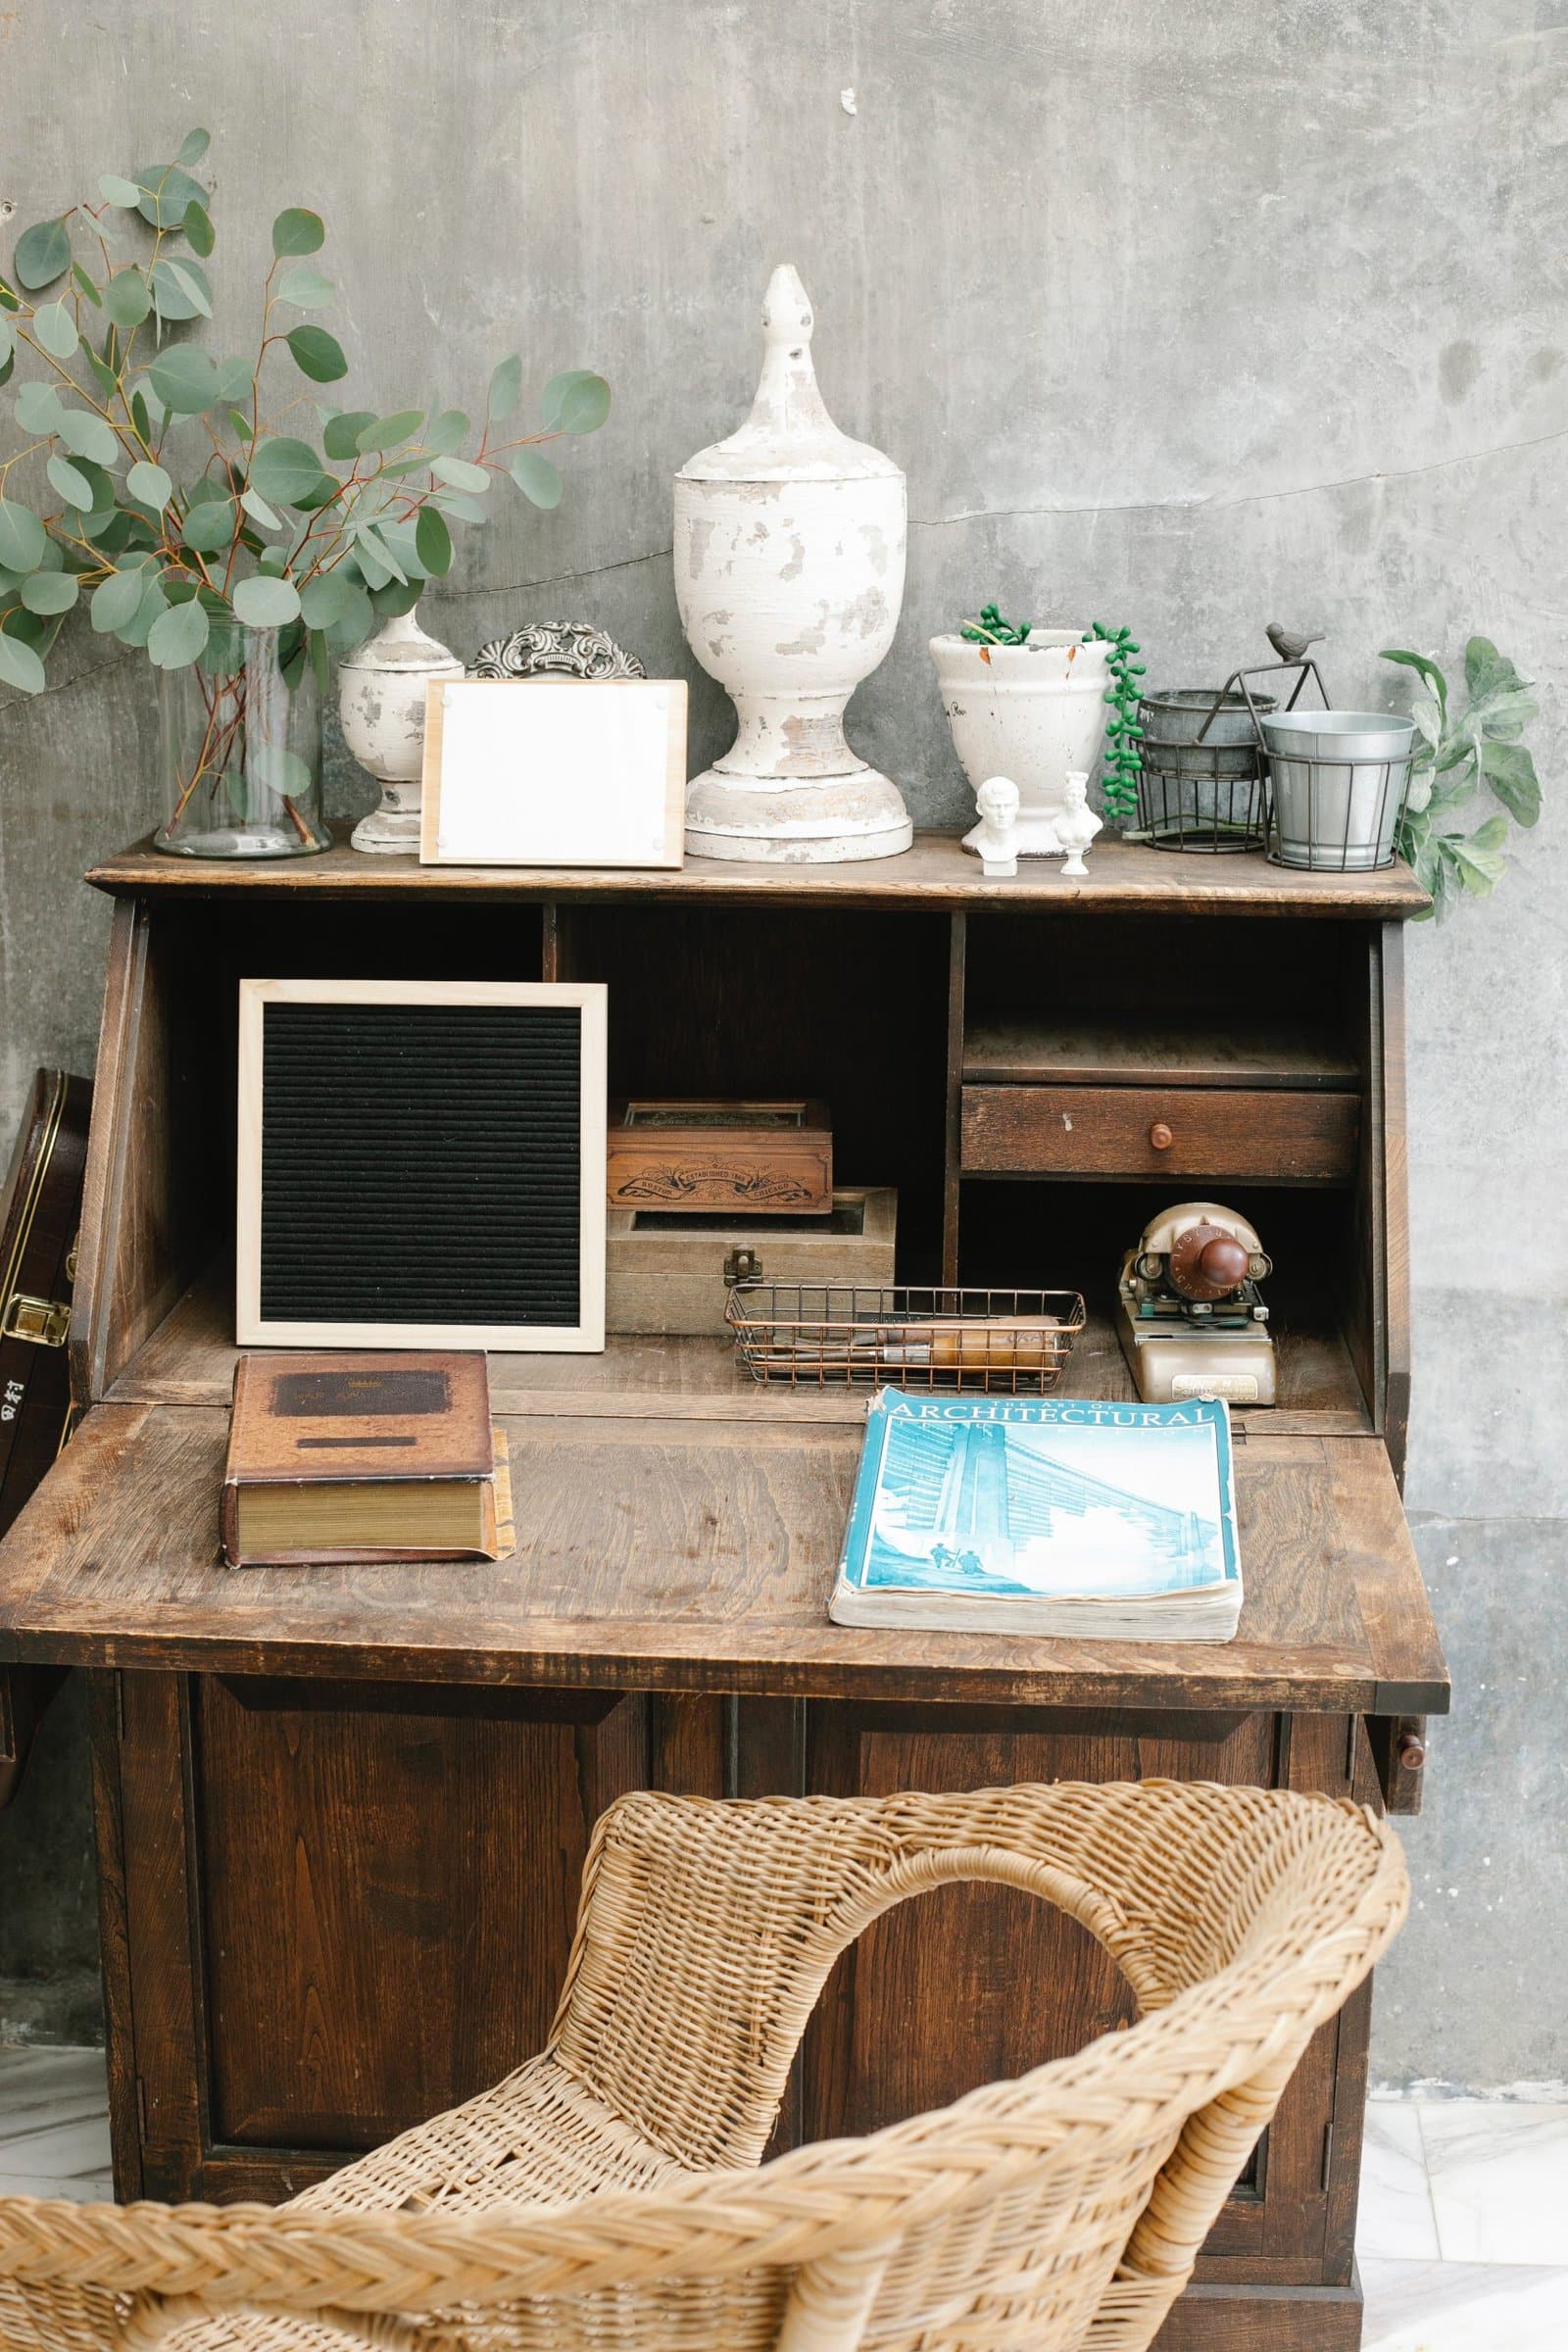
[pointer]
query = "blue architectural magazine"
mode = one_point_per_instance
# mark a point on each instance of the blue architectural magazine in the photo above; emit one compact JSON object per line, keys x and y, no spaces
{"x":1044,"y":1515}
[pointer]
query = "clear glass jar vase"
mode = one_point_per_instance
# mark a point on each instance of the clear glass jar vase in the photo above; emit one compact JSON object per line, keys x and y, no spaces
{"x":242,"y":753}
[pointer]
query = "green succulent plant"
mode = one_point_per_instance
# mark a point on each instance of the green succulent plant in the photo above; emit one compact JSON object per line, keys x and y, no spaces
{"x":1458,"y":754}
{"x":166,"y":488}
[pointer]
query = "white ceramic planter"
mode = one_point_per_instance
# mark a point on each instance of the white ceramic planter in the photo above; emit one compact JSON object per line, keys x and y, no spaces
{"x":789,"y":575}
{"x":381,"y":707}
{"x":1034,"y":711}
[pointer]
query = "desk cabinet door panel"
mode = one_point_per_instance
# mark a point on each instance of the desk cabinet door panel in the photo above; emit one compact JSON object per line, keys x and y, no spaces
{"x":971,"y":1982}
{"x":367,"y":1908}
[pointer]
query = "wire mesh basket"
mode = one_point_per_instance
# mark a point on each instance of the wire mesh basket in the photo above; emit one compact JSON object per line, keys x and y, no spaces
{"x":822,"y":1335}
{"x":1201,"y":780}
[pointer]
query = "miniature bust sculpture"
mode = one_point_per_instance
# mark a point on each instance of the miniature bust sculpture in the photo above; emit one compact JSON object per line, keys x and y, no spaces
{"x":994,"y":839}
{"x":1077,"y":824}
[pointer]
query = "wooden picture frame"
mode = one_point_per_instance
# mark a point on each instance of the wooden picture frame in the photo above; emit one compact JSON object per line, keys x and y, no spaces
{"x":561,"y":773}
{"x":389,"y":1207}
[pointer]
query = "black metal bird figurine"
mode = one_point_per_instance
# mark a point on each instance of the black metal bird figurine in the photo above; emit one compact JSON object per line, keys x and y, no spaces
{"x":1290,"y":644}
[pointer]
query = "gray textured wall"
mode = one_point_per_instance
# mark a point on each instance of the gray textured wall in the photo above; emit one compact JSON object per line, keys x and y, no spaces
{"x":1182,"y":313}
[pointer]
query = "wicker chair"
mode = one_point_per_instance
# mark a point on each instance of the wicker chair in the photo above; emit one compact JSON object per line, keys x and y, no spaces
{"x":606,"y":2196}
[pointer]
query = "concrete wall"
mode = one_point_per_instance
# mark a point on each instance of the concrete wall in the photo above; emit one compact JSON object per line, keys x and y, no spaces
{"x":1183,"y":313}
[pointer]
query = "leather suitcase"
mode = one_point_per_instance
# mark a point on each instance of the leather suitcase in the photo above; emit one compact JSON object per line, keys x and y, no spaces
{"x":39,"y":1212}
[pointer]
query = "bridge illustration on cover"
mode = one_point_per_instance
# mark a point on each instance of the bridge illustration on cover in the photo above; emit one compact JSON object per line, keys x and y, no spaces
{"x":968,"y":1496}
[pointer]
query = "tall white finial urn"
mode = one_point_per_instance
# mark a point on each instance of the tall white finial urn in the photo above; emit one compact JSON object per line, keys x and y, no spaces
{"x":789,"y":574}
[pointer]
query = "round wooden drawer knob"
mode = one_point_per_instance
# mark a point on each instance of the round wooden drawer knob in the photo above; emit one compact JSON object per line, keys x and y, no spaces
{"x":1413,"y":1750}
{"x":1161,"y":1136}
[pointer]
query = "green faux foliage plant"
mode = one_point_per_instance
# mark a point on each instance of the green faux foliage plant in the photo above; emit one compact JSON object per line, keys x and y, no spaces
{"x":1457,"y":753}
{"x":183,"y":508}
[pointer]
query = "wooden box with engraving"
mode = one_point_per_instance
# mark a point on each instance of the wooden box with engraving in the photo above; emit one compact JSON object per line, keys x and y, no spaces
{"x":762,"y":1159}
{"x":331,"y":1801}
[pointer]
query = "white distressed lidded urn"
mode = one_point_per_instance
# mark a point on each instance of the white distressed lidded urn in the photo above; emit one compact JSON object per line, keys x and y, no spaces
{"x":789,"y":574}
{"x":381,"y":710}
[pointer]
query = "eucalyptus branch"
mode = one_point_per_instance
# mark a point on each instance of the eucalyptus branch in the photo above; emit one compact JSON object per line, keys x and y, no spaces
{"x":349,"y":542}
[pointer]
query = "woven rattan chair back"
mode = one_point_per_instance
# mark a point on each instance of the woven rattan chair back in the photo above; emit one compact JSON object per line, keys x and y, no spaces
{"x":1061,"y":2210}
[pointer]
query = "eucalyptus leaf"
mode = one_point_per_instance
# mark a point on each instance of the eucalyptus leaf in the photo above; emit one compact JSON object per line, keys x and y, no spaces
{"x":397,"y":597}
{"x":115,"y":190}
{"x":235,"y":380}
{"x":376,"y":561}
{"x":342,"y":437}
{"x":446,"y":433}
{"x":86,"y":286}
{"x":506,"y":388}
{"x":42,"y":254}
{"x":114,"y":601}
{"x":19,"y":665}
{"x":39,"y":408}
{"x":185,"y":379}
{"x":577,"y":402}
{"x":7,"y":339}
{"x":279,"y":770}
{"x":224,"y":651}
{"x":74,"y":486}
{"x":88,"y":436}
{"x":177,"y":636}
{"x":433,"y":541}
{"x":193,"y":146}
{"x":461,"y":473}
{"x":305,"y":288}
{"x":354,"y":623}
{"x":49,"y":592}
{"x":149,"y":483}
{"x":264,"y":603}
{"x":297,"y":231}
{"x":209,"y":527}
{"x":56,"y":329}
{"x":386,"y":432}
{"x":152,"y":603}
{"x":286,"y":470}
{"x":320,"y":665}
{"x":165,"y":194}
{"x":325,"y":599}
{"x":536,"y":477}
{"x":467,"y":508}
{"x":257,"y":508}
{"x":181,"y":289}
{"x":199,"y":230}
{"x":128,"y":297}
{"x":317,"y":354}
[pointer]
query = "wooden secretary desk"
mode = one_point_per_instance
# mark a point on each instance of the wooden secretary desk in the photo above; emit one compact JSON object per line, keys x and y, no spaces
{"x":341,"y":1812}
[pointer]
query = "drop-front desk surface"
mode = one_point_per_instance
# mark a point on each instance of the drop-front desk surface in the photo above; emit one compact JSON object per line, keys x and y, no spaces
{"x":341,"y":1812}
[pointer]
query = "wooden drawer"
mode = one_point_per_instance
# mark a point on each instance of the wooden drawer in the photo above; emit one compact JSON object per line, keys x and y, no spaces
{"x":1266,"y":1135}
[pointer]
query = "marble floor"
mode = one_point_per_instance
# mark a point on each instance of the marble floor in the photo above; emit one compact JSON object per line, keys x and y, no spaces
{"x":1464,"y":2236}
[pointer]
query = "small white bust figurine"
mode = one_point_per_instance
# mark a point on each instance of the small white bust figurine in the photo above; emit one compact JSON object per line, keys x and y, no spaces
{"x":995,"y":838}
{"x":1077,"y":824}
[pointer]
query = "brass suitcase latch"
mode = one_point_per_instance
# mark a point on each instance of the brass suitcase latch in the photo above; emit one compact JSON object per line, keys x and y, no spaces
{"x":43,"y":1321}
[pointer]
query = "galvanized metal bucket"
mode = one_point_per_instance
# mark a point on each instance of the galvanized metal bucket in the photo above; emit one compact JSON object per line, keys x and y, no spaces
{"x":1337,"y":783}
{"x":1202,"y":786}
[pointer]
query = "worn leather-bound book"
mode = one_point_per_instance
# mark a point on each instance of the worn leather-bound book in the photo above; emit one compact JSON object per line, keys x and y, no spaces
{"x":360,"y":1457}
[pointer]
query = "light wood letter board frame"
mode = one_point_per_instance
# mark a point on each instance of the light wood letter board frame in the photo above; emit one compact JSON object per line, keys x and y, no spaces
{"x":586,"y":1335}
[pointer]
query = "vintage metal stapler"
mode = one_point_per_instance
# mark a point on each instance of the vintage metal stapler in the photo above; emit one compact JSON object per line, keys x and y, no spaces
{"x":1192,"y":1319}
